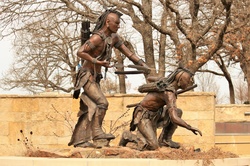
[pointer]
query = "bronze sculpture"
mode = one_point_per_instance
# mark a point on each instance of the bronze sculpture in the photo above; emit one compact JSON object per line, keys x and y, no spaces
{"x":158,"y":108}
{"x":96,"y":53}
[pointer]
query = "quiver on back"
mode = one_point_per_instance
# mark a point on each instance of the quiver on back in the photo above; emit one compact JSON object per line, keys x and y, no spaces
{"x":150,"y":87}
{"x":158,"y":86}
{"x":164,"y":83}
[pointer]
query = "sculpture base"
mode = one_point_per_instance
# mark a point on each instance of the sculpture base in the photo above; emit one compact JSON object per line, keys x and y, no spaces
{"x":101,"y":143}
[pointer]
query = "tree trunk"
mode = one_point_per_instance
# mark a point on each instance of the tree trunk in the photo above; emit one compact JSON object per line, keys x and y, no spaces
{"x":121,"y":77}
{"x":245,"y":66}
{"x":245,"y":62}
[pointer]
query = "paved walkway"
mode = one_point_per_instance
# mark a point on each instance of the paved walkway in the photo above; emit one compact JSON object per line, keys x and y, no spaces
{"x":34,"y":161}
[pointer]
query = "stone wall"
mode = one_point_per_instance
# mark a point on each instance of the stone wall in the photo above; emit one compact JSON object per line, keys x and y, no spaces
{"x":198,"y":111}
{"x":232,"y":123}
{"x":46,"y":121}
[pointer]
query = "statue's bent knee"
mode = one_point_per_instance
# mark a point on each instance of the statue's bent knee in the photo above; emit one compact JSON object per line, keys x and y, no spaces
{"x":102,"y":103}
{"x":179,"y":112}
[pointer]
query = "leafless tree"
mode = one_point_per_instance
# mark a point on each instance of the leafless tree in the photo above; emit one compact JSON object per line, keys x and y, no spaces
{"x":47,"y":35}
{"x":186,"y":32}
{"x":237,"y":39}
{"x":241,"y":94}
{"x":109,"y":86}
{"x":207,"y":83}
{"x":45,"y":57}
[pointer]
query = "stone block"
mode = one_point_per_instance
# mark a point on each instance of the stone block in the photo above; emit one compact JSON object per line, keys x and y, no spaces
{"x":189,"y":101}
{"x":239,"y":149}
{"x":226,"y":162}
{"x":64,"y":140}
{"x":75,"y":105}
{"x":117,"y":116}
{"x":233,"y":127}
{"x":10,"y":116}
{"x":198,"y":115}
{"x":46,"y":104}
{"x":15,"y":133}
{"x":4,"y":126}
{"x":205,"y":126}
{"x":44,"y":140}
{"x":49,"y":128}
{"x":17,"y":161}
{"x":231,"y":113}
{"x":232,"y":138}
{"x":122,"y":162}
{"x":6,"y":104}
{"x":25,"y":104}
{"x":4,"y":140}
{"x":56,"y":162}
{"x":115,"y":103}
{"x":244,"y":161}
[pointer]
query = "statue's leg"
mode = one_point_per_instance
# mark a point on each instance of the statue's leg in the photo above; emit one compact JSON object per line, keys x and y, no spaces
{"x":94,"y":93}
{"x":97,"y":130}
{"x":147,"y":130}
{"x":168,"y":132}
{"x":165,"y":138}
{"x":82,"y":132}
{"x":100,"y":138}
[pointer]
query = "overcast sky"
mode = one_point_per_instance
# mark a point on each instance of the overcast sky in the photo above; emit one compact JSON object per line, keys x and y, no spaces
{"x":6,"y":54}
{"x":6,"y":58}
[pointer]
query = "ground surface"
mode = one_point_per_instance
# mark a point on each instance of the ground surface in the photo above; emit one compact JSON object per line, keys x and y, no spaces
{"x":184,"y":153}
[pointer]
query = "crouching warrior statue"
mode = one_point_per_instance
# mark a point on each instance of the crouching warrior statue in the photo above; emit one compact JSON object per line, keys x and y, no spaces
{"x":158,"y":109}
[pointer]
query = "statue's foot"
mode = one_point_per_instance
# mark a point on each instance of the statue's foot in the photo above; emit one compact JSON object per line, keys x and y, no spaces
{"x":85,"y":145}
{"x":104,"y":136}
{"x":99,"y":143}
{"x":127,"y":137}
{"x":124,"y":138}
{"x":123,"y":142}
{"x":70,"y":143}
{"x":170,"y":143}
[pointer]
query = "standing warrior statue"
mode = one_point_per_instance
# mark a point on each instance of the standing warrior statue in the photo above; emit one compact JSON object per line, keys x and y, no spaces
{"x":96,"y":53}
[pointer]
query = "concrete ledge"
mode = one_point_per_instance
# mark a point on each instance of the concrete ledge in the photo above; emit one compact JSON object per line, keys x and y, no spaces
{"x":33,"y":161}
